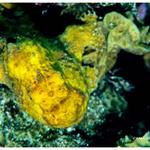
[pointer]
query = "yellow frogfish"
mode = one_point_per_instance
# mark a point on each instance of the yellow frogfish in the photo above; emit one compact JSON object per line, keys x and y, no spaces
{"x":53,"y":83}
{"x":41,"y":88}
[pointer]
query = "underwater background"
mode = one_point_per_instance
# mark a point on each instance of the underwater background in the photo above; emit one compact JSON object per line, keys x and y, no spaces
{"x":94,"y":58}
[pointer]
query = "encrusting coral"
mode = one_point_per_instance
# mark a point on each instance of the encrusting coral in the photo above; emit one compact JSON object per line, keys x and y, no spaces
{"x":143,"y":141}
{"x":54,"y":84}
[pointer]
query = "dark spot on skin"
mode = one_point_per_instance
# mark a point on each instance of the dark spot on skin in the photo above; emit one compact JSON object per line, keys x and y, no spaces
{"x":39,"y":76}
{"x":63,"y":101}
{"x":55,"y":108}
{"x":15,"y":64}
{"x":51,"y":93}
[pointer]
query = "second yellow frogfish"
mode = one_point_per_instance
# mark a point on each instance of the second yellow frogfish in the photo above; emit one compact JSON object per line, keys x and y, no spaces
{"x":53,"y":84}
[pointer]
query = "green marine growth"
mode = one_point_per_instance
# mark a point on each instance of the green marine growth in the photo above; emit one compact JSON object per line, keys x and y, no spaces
{"x":53,"y":84}
{"x":143,"y":141}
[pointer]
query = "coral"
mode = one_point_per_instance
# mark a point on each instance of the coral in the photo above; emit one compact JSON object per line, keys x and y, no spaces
{"x":79,"y":9}
{"x":141,"y":12}
{"x":103,"y":101}
{"x":147,"y":60}
{"x":145,"y":35}
{"x":143,"y":141}
{"x":76,"y":9}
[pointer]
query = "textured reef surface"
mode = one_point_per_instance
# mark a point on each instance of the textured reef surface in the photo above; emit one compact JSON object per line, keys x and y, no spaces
{"x":71,"y":75}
